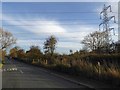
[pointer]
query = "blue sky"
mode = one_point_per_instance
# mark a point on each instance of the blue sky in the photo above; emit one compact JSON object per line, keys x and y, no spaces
{"x":31,"y":23}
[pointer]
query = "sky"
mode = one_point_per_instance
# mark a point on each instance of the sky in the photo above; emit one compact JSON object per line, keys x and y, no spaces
{"x":59,"y":1}
{"x":32,"y":22}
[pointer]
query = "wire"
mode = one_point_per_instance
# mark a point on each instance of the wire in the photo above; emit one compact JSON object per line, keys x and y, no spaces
{"x":44,"y":24}
{"x":57,"y":12}
{"x":51,"y":20}
{"x":50,"y":24}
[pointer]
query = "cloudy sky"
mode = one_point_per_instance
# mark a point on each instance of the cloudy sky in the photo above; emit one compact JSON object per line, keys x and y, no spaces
{"x":32,"y":22}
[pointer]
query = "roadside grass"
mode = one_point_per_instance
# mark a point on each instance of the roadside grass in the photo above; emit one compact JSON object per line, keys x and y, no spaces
{"x":109,"y":74}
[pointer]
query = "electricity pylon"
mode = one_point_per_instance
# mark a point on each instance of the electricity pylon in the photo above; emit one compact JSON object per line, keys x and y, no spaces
{"x":105,"y":22}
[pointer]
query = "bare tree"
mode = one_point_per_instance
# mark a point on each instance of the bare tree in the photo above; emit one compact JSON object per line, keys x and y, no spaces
{"x":96,"y":41}
{"x":6,"y":39}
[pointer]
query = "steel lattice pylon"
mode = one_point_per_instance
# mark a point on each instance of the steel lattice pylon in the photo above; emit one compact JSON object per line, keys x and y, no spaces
{"x":105,"y":22}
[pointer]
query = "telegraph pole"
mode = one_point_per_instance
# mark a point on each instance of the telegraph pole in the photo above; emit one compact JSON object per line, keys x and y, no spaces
{"x":105,"y":22}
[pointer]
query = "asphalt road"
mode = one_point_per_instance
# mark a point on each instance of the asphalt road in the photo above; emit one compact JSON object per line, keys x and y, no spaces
{"x":20,"y":75}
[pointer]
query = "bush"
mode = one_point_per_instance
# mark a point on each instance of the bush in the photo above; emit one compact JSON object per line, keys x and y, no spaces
{"x":108,"y":58}
{"x":61,"y":68}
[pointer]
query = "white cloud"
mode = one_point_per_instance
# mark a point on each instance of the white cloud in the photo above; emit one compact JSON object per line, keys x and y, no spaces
{"x":37,"y":27}
{"x":0,"y":16}
{"x":29,"y":42}
{"x":69,"y":37}
{"x":69,"y":45}
{"x":50,"y":27}
{"x":44,"y":26}
{"x":78,"y":35}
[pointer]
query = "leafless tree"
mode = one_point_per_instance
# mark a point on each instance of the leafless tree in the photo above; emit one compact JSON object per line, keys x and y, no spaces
{"x":6,"y":39}
{"x":96,"y":41}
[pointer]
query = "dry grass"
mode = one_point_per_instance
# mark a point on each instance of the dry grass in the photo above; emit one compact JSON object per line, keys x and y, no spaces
{"x":102,"y":71}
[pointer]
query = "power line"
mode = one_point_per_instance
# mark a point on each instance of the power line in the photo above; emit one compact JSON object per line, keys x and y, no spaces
{"x":51,"y":13}
{"x":55,"y":12}
{"x":52,"y":24}
{"x":50,"y":20}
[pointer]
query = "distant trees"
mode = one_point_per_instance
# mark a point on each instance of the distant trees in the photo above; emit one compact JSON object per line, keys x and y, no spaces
{"x":21,"y":54}
{"x":17,"y":52}
{"x":34,"y":53}
{"x":96,"y":41}
{"x":49,"y":46}
{"x":6,"y":39}
{"x":14,"y":52}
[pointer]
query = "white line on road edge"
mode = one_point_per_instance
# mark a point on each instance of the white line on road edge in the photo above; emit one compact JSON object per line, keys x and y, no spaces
{"x":21,"y":71}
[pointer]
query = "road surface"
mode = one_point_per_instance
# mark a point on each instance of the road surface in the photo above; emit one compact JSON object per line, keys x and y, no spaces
{"x":20,"y":75}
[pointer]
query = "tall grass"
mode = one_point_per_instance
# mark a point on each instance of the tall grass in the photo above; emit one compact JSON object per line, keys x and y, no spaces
{"x":100,"y":67}
{"x":106,"y":72}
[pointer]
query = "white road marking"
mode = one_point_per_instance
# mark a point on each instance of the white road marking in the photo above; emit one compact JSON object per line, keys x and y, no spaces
{"x":9,"y":69}
{"x":13,"y":69}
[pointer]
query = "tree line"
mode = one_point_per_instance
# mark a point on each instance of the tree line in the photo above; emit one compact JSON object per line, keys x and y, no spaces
{"x":94,"y":42}
{"x":95,"y":45}
{"x":98,"y":59}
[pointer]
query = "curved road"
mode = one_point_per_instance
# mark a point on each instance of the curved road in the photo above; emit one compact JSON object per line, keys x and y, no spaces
{"x":20,"y":75}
